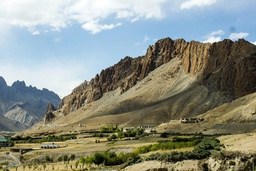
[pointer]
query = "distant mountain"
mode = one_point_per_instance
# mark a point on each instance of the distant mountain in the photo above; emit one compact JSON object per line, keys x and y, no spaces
{"x":24,"y":105}
{"x":174,"y":79}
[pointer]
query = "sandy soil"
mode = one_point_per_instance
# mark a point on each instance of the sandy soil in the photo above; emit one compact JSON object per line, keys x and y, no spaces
{"x":245,"y":143}
{"x":151,"y":165}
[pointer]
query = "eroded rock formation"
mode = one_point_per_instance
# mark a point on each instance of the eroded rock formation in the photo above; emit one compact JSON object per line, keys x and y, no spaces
{"x":225,"y":66}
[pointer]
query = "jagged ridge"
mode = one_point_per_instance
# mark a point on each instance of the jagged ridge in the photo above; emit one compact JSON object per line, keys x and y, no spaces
{"x":223,"y":66}
{"x":24,"y":104}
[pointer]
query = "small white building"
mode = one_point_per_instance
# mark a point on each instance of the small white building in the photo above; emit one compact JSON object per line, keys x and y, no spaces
{"x":126,"y":129}
{"x":148,"y":128}
{"x":50,"y":145}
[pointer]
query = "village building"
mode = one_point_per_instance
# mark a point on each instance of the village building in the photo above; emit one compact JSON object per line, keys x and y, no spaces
{"x":148,"y":128}
{"x":50,"y":145}
{"x":127,"y":129}
{"x":191,"y":120}
{"x":4,"y":142}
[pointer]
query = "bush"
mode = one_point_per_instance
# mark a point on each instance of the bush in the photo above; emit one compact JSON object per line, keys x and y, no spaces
{"x":164,"y":135}
{"x":168,"y":145}
{"x":108,"y":129}
{"x":110,"y":158}
{"x":48,"y":159}
{"x":50,"y":138}
{"x":60,"y":159}
{"x":202,"y":149}
{"x":72,"y":157}
{"x":112,"y":137}
{"x":65,"y":158}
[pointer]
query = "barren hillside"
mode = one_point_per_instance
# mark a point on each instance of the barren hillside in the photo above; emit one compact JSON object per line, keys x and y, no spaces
{"x":174,"y":79}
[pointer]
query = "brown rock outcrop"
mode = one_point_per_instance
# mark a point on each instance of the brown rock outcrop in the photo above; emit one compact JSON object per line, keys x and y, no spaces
{"x":49,"y":116}
{"x":231,"y":67}
{"x":223,"y":66}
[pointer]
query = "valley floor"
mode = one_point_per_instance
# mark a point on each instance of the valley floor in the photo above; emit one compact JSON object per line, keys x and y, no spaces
{"x":239,"y":145}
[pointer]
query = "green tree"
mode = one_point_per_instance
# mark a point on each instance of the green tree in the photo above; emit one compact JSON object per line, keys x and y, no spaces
{"x":65,"y":158}
{"x":72,"y":157}
{"x":98,"y":158}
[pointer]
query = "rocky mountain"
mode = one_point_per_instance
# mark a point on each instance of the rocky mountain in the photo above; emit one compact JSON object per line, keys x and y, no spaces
{"x":23,"y":104}
{"x":9,"y":125}
{"x":173,"y":79}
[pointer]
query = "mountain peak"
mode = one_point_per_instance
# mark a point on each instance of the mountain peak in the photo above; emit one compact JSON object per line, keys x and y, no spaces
{"x":25,"y":104}
{"x":19,"y":84}
{"x":200,"y":60}
{"x":2,"y":82}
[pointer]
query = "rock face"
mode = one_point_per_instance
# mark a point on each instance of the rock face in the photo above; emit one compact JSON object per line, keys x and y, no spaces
{"x":49,"y":116}
{"x":24,"y":104}
{"x":224,"y":66}
{"x":17,"y":113}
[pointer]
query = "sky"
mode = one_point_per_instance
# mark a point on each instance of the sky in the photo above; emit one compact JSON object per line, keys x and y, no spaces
{"x":58,"y":44}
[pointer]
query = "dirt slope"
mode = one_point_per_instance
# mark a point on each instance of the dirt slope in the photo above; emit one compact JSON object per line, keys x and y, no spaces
{"x":174,"y":79}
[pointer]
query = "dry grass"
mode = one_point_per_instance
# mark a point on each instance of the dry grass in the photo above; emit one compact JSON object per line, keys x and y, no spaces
{"x":83,"y":147}
{"x":245,"y":143}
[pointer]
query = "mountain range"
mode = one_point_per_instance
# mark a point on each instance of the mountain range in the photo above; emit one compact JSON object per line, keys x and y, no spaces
{"x":173,"y":80}
{"x":22,"y":106}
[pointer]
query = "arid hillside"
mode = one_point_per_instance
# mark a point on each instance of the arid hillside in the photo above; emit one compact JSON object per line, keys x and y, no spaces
{"x":173,"y":79}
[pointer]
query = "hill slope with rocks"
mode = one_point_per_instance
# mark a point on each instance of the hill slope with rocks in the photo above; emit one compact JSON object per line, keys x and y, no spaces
{"x":23,"y":105}
{"x":173,"y":79}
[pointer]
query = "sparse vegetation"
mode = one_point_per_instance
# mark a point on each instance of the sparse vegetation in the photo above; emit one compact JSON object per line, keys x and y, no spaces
{"x":119,"y":133}
{"x":110,"y":158}
{"x":202,"y":150}
{"x":108,"y":128}
{"x":176,"y":143}
{"x":50,"y":138}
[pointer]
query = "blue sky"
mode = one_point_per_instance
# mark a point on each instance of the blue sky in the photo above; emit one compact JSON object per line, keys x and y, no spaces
{"x":57,"y":44}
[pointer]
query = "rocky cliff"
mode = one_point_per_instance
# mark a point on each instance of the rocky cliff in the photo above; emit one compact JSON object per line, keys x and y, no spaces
{"x":24,"y":104}
{"x":223,"y":66}
{"x":49,"y":116}
{"x":173,"y":79}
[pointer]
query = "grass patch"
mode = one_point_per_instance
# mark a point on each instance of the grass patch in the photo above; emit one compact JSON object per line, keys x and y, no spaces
{"x":202,"y":150}
{"x":176,"y":143}
{"x":110,"y":158}
{"x":50,"y":138}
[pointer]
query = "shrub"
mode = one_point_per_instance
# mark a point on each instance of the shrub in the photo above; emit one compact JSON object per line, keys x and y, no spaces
{"x":202,"y":149}
{"x":112,"y":137}
{"x":48,"y":159}
{"x":98,"y":158}
{"x":72,"y":157}
{"x":60,"y":158}
{"x":164,"y":135}
{"x":167,"y":145}
{"x":108,"y":129}
{"x":110,"y":158}
{"x":65,"y":158}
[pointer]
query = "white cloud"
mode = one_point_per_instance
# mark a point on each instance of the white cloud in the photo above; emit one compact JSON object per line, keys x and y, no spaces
{"x":254,"y":43}
{"x":236,"y":36}
{"x":146,"y":39}
{"x":33,"y":31}
{"x":4,"y":34}
{"x":90,"y":14}
{"x":196,"y":3}
{"x":94,"y":27}
{"x":214,"y":36}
